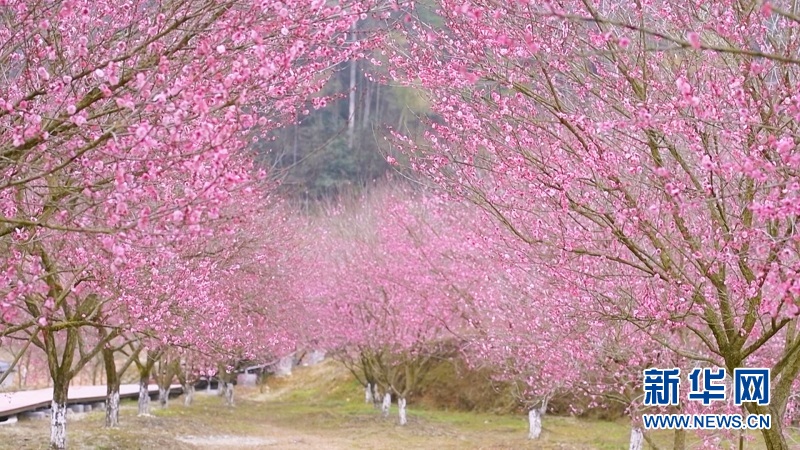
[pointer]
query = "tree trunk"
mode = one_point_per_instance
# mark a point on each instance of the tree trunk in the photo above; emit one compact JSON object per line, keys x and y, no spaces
{"x":387,"y":403}
{"x":163,"y":396}
{"x":367,"y":105}
{"x":679,"y":443}
{"x":229,"y":394}
{"x":351,"y":111}
{"x":401,"y":407}
{"x":377,"y":103}
{"x":637,"y":438}
{"x":58,"y":416}
{"x":284,"y":366}
{"x":376,"y":396}
{"x":144,"y":397}
{"x":773,"y":437}
{"x":368,"y":393}
{"x":534,"y":423}
{"x":112,"y":407}
{"x":112,"y":389}
{"x":188,"y":394}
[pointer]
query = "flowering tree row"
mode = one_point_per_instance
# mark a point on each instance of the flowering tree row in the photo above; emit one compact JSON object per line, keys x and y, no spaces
{"x":124,"y":182}
{"x":407,"y":278}
{"x":642,"y":154}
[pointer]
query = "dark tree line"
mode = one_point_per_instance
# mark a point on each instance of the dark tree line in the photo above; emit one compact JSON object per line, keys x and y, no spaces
{"x":341,"y":147}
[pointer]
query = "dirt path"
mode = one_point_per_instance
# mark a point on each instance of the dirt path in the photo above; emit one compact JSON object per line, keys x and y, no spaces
{"x":271,"y":436}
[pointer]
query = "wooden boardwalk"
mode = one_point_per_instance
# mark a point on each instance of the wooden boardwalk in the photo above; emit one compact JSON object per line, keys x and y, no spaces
{"x":13,"y":403}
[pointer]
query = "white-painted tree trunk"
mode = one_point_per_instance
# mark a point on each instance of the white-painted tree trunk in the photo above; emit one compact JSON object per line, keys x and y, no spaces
{"x":401,"y":408}
{"x":284,"y":366}
{"x":221,"y":386}
{"x":58,"y":426}
{"x":112,"y":389}
{"x":188,"y":394}
{"x":637,"y":439}
{"x":144,"y":398}
{"x":534,"y":423}
{"x":376,"y":396}
{"x":112,"y":409}
{"x":368,"y":394}
{"x":229,"y":394}
{"x":163,"y":396}
{"x":387,"y":403}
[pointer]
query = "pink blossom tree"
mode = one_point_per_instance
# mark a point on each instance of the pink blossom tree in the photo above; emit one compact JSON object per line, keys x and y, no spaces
{"x":263,"y":273}
{"x":215,"y":297}
{"x":122,"y":127}
{"x":387,"y":299}
{"x":643,"y":153}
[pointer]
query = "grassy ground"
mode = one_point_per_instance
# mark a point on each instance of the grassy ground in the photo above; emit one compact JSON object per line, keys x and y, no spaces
{"x":316,"y":408}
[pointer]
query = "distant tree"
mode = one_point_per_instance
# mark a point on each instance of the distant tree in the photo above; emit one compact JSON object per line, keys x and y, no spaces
{"x":321,"y":156}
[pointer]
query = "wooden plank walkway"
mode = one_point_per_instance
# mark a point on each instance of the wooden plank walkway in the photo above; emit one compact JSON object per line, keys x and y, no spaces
{"x":13,"y":403}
